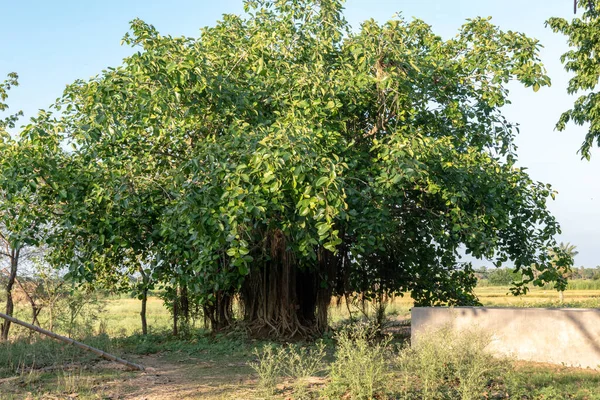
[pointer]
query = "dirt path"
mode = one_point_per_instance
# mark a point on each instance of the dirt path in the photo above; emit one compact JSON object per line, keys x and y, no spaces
{"x":188,"y":378}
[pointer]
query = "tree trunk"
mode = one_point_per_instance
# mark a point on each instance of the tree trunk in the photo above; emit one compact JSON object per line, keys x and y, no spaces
{"x":282,"y":299}
{"x":145,"y":281}
{"x":51,"y":317}
{"x":143,"y":312}
{"x":175,"y":313}
{"x":14,"y":262}
{"x":219,"y":314}
{"x":184,"y":302}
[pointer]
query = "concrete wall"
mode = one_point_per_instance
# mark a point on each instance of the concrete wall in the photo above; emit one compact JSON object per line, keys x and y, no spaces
{"x":560,"y":336}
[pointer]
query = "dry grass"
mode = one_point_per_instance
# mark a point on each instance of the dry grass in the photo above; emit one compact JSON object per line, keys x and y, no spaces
{"x":500,"y":296}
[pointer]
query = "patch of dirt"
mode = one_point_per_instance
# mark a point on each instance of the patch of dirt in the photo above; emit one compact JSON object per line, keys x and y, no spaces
{"x":191,"y":379}
{"x":163,"y":379}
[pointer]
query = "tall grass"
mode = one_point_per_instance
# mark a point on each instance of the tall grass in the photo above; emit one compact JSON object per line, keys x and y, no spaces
{"x":360,"y":370}
{"x":441,"y":365}
{"x":269,"y":368}
{"x":444,"y":364}
{"x":296,"y":362}
{"x":353,"y":364}
{"x":25,"y":354}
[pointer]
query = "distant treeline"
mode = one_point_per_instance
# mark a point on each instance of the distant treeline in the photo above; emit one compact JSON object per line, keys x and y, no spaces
{"x":580,"y":278}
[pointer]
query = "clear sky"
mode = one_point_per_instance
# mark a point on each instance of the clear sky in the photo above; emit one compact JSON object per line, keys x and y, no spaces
{"x":52,"y":43}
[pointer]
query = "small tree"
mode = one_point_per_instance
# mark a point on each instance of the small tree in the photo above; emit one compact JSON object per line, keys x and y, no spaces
{"x":27,"y":282}
{"x":23,"y":219}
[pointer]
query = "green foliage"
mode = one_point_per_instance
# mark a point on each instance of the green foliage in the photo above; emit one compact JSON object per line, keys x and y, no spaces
{"x":503,"y":277}
{"x":10,"y":121}
{"x":285,"y":141}
{"x":581,"y":62}
{"x":562,"y":258}
{"x":23,"y":217}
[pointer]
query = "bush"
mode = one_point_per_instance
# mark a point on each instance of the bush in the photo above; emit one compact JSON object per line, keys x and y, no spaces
{"x":503,"y":277}
{"x":303,"y":363}
{"x":360,"y":370}
{"x":269,"y":367}
{"x":294,"y":361}
{"x":444,"y":364}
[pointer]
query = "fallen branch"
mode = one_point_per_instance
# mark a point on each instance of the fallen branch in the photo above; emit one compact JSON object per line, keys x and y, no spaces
{"x":67,"y":340}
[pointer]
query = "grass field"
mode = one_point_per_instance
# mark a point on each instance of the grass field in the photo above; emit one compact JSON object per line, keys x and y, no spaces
{"x":120,"y":316}
{"x":216,"y":367}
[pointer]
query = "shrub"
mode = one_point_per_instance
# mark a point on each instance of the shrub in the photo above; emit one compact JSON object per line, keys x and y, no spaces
{"x":360,"y":370}
{"x":294,"y":361}
{"x":444,"y":364}
{"x":503,"y":277}
{"x":303,"y":363}
{"x":269,"y":367}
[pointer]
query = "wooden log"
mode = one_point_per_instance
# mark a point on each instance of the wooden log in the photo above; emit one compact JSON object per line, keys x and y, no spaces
{"x":75,"y":343}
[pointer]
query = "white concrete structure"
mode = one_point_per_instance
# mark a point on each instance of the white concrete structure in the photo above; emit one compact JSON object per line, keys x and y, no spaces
{"x":560,"y":336}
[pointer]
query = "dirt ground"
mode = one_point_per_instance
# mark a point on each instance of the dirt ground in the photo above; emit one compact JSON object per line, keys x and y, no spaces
{"x":188,"y":379}
{"x":164,"y":378}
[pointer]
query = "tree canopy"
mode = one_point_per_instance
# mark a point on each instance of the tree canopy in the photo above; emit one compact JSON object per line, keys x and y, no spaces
{"x":582,"y":61}
{"x":283,"y":157}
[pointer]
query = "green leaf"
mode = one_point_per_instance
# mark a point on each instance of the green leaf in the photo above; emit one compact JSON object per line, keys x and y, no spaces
{"x":232,"y":252}
{"x":321,"y":181}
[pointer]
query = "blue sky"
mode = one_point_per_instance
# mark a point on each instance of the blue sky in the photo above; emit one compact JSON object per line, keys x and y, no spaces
{"x":52,"y":43}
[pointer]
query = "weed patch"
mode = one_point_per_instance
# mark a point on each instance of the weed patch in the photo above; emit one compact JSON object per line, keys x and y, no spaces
{"x":444,"y":364}
{"x":360,"y":369}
